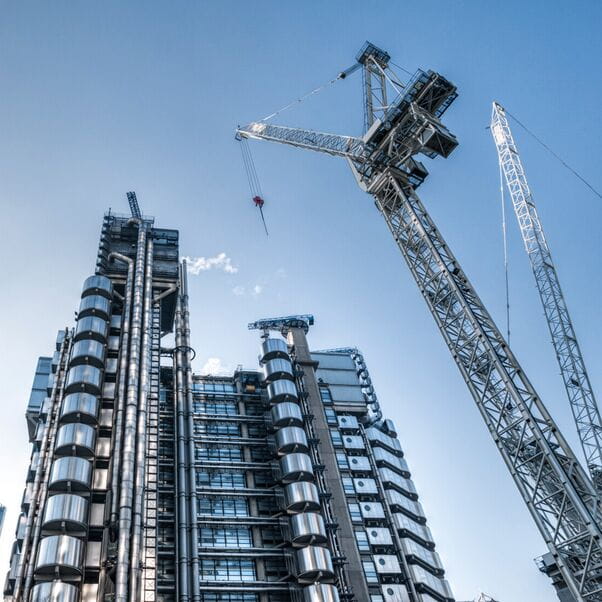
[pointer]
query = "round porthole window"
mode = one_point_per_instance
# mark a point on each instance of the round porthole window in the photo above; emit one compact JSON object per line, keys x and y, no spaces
{"x":348,"y":439}
{"x":343,"y":420}
{"x":354,"y":461}
{"x":390,"y":591}
{"x":374,"y":533}
{"x":367,"y":507}
{"x":381,"y":561}
{"x":360,"y":483}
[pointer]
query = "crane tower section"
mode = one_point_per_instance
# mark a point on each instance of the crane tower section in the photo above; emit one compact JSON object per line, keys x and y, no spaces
{"x":572,"y":366}
{"x":555,"y":488}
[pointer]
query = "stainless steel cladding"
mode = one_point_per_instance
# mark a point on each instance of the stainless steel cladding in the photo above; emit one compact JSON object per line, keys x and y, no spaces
{"x":95,"y":305}
{"x":77,"y":439}
{"x":92,"y":327}
{"x":359,"y":463}
{"x":308,"y":528}
{"x":347,"y":423}
{"x":272,"y":348}
{"x":88,"y":351}
{"x":365,"y":486}
{"x":278,"y":368}
{"x":387,"y":564}
{"x":301,"y":496}
{"x":54,"y":591}
{"x":66,"y":513}
{"x":282,"y":391}
{"x":80,"y":407}
{"x":98,"y":285}
{"x":287,"y":414}
{"x":314,"y":564}
{"x":84,"y":378}
{"x":379,"y":536}
{"x":70,"y":474}
{"x":60,"y":556}
{"x":296,"y":467}
{"x":320,"y":592}
{"x":395,"y":593}
{"x":291,"y":439}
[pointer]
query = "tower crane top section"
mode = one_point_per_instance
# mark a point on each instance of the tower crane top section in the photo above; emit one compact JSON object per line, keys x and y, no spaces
{"x":283,"y":323}
{"x":407,"y":126}
{"x":371,"y":52}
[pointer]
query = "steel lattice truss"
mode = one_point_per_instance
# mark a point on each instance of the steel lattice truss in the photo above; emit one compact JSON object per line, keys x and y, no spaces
{"x":572,"y":367}
{"x":551,"y":480}
{"x":560,"y":496}
{"x":333,"y":144}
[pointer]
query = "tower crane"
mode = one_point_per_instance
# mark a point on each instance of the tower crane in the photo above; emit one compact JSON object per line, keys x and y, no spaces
{"x":572,"y":366}
{"x":557,"y":491}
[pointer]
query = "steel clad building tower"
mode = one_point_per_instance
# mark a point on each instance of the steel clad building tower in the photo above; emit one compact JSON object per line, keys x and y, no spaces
{"x":148,"y":483}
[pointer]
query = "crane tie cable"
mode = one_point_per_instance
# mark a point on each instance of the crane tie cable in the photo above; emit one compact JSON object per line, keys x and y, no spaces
{"x":341,"y":75}
{"x":556,"y":156}
{"x":505,"y":239}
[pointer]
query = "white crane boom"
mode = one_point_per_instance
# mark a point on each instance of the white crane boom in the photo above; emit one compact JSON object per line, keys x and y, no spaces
{"x":570,"y":360}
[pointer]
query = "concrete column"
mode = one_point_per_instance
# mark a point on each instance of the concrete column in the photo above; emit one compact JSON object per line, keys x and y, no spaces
{"x":338,"y":501}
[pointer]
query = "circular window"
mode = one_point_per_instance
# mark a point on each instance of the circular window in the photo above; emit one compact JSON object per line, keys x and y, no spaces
{"x":343,"y":420}
{"x":374,"y":533}
{"x":390,"y":591}
{"x":367,"y":507}
{"x":354,"y":461}
{"x":381,"y":561}
{"x":348,"y":439}
{"x":360,"y":483}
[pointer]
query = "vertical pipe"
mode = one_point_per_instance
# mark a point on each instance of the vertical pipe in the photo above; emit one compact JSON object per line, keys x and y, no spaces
{"x":181,"y":478}
{"x":123,"y":368}
{"x":135,"y":569}
{"x":38,"y":491}
{"x":192,"y":497}
{"x":129,"y":434}
{"x":53,"y":419}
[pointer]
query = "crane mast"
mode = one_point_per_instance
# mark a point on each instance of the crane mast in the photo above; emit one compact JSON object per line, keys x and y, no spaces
{"x":572,"y":366}
{"x":554,"y":486}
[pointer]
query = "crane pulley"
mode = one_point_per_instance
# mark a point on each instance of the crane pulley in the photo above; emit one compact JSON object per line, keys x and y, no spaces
{"x":556,"y":490}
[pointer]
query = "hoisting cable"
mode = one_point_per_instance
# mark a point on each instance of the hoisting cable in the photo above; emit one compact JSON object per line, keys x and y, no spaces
{"x":253,"y":179}
{"x":505,"y":239}
{"x":557,"y":157}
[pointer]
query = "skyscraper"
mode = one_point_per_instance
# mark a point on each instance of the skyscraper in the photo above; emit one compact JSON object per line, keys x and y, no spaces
{"x":282,"y":483}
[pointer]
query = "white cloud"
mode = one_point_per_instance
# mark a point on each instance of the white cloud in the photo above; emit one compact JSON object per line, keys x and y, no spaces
{"x":240,"y":291}
{"x":196,"y":265}
{"x":214,"y":366}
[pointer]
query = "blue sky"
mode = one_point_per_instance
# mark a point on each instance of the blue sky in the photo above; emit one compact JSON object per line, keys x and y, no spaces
{"x":101,"y":98}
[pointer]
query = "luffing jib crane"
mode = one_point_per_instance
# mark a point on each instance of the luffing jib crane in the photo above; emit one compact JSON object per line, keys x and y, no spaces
{"x":554,"y":486}
{"x":572,"y":366}
{"x":134,"y":207}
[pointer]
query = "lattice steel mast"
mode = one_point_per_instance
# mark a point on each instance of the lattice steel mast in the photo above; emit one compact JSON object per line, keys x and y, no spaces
{"x":572,"y":366}
{"x":557,"y":491}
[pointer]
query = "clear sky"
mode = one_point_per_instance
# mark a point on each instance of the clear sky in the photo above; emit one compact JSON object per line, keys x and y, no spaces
{"x":101,"y":98}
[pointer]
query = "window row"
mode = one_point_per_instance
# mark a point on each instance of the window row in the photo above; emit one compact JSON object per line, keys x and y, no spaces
{"x":235,"y":506}
{"x":216,"y":452}
{"x":235,"y":537}
{"x":227,"y":569}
